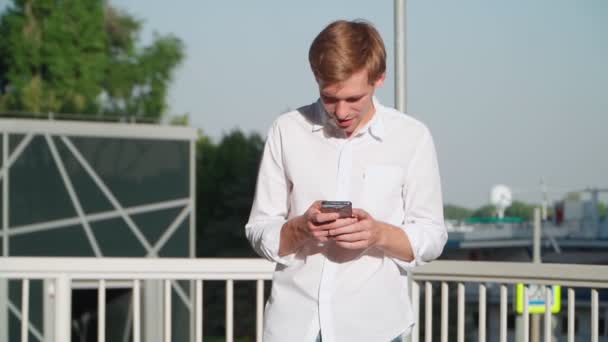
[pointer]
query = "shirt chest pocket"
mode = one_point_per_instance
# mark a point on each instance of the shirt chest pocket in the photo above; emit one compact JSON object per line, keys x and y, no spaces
{"x":382,"y":187}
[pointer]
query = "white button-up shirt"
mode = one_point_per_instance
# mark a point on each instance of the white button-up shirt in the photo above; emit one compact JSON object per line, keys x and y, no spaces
{"x":389,"y":169}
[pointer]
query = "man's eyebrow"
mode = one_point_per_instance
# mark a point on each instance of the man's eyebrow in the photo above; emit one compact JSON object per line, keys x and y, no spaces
{"x":353,"y":97}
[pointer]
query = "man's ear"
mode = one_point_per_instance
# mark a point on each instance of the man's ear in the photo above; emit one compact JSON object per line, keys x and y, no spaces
{"x":380,"y":81}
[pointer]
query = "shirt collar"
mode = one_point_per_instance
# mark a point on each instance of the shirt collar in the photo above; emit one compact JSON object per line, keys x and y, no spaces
{"x":321,"y":119}
{"x":375,"y":126}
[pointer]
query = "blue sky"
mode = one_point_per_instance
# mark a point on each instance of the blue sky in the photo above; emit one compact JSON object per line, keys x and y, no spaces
{"x":513,"y":90}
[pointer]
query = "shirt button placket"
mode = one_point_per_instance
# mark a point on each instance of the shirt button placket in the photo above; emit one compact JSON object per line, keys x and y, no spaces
{"x":327,"y":286}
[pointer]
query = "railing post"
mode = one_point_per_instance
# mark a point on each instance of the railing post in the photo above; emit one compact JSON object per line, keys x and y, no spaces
{"x":259,"y":312}
{"x":229,"y":310}
{"x":428,"y":311}
{"x":48,"y":309}
{"x":152,"y":313}
{"x":3,"y":309}
{"x":63,"y":308}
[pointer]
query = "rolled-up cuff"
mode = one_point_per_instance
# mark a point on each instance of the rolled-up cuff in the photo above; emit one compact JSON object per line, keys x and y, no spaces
{"x":271,"y":241}
{"x":419,"y":236}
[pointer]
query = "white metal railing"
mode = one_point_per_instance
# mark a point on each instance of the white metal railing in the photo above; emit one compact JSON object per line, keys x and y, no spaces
{"x":585,"y":277}
{"x":64,"y":272}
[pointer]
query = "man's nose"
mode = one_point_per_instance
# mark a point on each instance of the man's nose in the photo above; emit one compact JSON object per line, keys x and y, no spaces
{"x":341,"y":110}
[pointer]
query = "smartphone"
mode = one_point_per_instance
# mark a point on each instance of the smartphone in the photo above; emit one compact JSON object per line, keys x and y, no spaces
{"x":344,"y":208}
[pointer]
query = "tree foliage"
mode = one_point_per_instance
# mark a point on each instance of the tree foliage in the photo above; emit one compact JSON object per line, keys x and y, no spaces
{"x":226,"y":179}
{"x":82,"y":56}
{"x":484,"y":211}
{"x":52,"y":55}
{"x":455,"y":212}
{"x":136,"y":80}
{"x":520,"y":209}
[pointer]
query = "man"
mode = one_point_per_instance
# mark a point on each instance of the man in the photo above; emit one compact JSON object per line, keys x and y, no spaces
{"x":345,"y":279}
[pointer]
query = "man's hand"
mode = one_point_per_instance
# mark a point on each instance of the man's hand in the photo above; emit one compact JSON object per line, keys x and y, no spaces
{"x":318,"y":225}
{"x":367,"y":232}
{"x":313,"y":224}
{"x":363,"y":233}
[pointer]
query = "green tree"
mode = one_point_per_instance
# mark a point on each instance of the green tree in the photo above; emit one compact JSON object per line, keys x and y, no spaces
{"x":180,"y":120}
{"x":226,"y":177}
{"x":136,"y":79}
{"x":485,"y":211}
{"x":516,"y":209}
{"x":454,"y":212}
{"x":521,"y":210}
{"x":602,"y":210}
{"x":226,"y":181}
{"x":82,"y":56}
{"x":52,"y":55}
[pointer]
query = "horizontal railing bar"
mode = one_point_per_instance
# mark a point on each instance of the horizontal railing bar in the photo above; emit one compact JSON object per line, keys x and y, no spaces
{"x":98,"y":129}
{"x":514,"y":272}
{"x":94,"y":284}
{"x":116,"y":269}
{"x":501,"y":280}
{"x":143,"y":268}
{"x":114,"y":265}
{"x":142,"y":276}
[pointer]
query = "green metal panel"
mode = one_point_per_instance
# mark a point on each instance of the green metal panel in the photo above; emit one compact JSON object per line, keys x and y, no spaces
{"x":13,"y":142}
{"x":176,"y":247}
{"x":180,"y":318}
{"x":156,"y":222}
{"x":91,"y":196}
{"x":116,"y":239}
{"x":139,"y":171}
{"x":37,"y":192}
{"x":35,"y":308}
{"x":65,"y":241}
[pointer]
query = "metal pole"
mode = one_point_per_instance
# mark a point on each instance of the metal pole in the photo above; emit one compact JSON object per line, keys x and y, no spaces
{"x":192,"y":254}
{"x":537,"y":235}
{"x":595,"y":219}
{"x":400,"y":56}
{"x":535,"y":326}
{"x":5,"y":195}
{"x":400,"y":77}
{"x":5,"y":251}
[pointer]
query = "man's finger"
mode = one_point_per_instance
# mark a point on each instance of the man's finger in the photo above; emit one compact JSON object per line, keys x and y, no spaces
{"x":320,"y":234}
{"x":352,"y":237}
{"x":339,"y":223}
{"x":324,"y":217}
{"x":360,"y":213}
{"x":352,"y":245}
{"x":348,"y":229}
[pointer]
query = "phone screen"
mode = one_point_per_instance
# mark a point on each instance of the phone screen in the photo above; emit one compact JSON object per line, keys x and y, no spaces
{"x":344,"y":208}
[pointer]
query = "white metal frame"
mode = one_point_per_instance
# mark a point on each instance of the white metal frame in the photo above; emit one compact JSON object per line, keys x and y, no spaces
{"x":64,"y":271}
{"x":64,"y":130}
{"x":571,"y":276}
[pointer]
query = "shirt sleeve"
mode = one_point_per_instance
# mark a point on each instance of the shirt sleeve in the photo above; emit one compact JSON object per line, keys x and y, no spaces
{"x":271,"y":201}
{"x":423,"y":220}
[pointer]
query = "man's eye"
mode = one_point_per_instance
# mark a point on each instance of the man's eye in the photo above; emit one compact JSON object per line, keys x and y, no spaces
{"x":327,"y":99}
{"x":353,"y":99}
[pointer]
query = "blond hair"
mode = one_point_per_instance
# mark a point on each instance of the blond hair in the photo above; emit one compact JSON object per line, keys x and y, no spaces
{"x":344,"y":48}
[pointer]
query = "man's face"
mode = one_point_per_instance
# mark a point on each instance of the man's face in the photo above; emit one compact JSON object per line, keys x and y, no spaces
{"x":349,"y":103}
